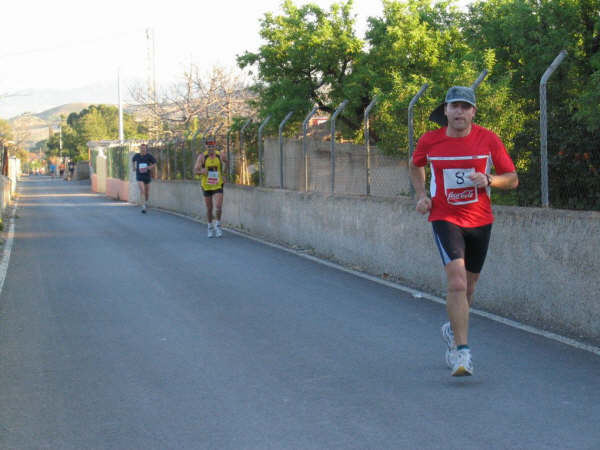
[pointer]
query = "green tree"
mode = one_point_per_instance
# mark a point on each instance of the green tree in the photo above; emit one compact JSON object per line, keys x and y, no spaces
{"x":526,"y":36}
{"x":97,"y":122}
{"x":6,"y":131}
{"x":415,"y":42}
{"x":307,"y":59}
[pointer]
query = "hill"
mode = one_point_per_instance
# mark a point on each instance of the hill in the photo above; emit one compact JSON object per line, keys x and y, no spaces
{"x":31,"y":128}
{"x":52,"y":115}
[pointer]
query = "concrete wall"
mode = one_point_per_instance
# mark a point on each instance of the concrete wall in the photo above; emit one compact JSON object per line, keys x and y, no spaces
{"x":14,"y":172}
{"x":117,"y":189}
{"x":101,"y":173}
{"x":6,"y":190}
{"x":94,"y":182}
{"x":542,"y":268}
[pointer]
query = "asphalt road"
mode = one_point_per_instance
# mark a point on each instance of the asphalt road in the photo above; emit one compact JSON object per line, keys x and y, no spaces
{"x":120,"y":330}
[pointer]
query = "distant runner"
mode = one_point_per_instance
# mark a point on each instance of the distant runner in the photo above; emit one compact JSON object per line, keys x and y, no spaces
{"x":143,"y":163}
{"x":209,"y":166}
{"x":71,"y":167}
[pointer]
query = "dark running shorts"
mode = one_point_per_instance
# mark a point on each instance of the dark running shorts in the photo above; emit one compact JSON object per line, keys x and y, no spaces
{"x":212,"y":192}
{"x":470,"y":244}
{"x":143,"y":177}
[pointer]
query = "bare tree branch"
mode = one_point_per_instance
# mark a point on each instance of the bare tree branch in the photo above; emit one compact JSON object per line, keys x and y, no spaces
{"x":214,"y":99}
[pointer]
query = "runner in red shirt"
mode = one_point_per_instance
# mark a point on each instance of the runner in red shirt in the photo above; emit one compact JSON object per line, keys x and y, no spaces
{"x":461,"y":155}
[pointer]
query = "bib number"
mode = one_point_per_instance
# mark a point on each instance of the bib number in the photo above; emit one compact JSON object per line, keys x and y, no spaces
{"x":212,"y":177}
{"x":143,"y":167}
{"x":459,"y":188}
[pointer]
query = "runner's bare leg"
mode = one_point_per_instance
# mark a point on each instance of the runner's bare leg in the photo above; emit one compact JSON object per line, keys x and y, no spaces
{"x":457,"y":303}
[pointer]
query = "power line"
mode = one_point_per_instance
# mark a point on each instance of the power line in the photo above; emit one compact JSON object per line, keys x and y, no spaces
{"x":70,"y":44}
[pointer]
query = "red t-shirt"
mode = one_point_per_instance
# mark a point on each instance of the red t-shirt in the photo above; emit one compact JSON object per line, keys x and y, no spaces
{"x":454,"y":197}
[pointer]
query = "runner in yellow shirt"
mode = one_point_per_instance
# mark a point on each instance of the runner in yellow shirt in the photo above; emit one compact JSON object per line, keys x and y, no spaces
{"x":209,"y":165}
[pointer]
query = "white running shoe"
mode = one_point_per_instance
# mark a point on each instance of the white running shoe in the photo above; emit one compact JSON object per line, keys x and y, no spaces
{"x":211,"y":231}
{"x":218,"y":231}
{"x":463,"y":366}
{"x":448,"y":338}
{"x":450,"y":357}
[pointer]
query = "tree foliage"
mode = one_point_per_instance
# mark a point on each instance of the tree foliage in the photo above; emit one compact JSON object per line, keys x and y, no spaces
{"x":527,"y":35}
{"x":307,"y":59}
{"x":97,"y":122}
{"x":6,"y":131}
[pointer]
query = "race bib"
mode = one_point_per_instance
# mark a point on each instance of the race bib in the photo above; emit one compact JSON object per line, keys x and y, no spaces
{"x":143,"y":167}
{"x":213,"y":177}
{"x":459,"y":188}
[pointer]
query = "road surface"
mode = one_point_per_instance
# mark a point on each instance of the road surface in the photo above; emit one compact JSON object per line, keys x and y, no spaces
{"x":120,"y":330}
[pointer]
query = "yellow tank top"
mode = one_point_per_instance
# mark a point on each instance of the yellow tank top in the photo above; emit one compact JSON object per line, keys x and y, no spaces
{"x":213,"y":180}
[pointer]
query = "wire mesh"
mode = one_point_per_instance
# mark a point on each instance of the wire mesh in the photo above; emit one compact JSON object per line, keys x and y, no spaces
{"x":318,"y":155}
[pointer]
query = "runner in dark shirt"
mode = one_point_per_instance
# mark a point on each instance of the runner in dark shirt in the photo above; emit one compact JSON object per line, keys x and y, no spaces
{"x":71,"y":167}
{"x":143,"y":163}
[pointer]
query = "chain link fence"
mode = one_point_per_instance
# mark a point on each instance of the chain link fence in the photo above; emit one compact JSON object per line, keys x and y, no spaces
{"x":315,"y":164}
{"x":308,"y":166}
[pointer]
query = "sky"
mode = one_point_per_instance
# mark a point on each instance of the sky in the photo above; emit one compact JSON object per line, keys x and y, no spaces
{"x":78,"y":47}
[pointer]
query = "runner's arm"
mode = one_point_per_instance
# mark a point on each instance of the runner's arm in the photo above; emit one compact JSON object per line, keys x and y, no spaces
{"x":198,"y":169}
{"x":508,"y":180}
{"x":153,"y":164}
{"x":417,"y":177}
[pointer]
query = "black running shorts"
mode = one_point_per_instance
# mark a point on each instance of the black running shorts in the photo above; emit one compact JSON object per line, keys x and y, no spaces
{"x":143,"y":177}
{"x":470,"y":244}
{"x":210,"y":193}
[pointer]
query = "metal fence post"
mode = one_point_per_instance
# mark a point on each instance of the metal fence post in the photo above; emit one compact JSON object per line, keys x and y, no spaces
{"x":544,"y":126}
{"x":337,"y":112}
{"x":304,"y":149}
{"x":192,"y":143}
{"x":411,"y":127}
{"x":243,"y":170}
{"x":261,"y":149}
{"x":479,"y":79}
{"x":281,"y":125}
{"x":175,"y":147}
{"x":229,"y":162}
{"x":183,"y":164}
{"x":181,"y":145}
{"x":169,"y":160}
{"x":183,"y":159}
{"x":367,"y":143}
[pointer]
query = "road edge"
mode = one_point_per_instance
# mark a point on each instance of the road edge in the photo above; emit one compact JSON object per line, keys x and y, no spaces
{"x":8,"y":244}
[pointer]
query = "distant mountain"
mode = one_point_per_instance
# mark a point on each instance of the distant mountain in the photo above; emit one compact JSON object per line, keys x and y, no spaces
{"x":36,"y":100}
{"x":36,"y":127}
{"x":52,"y":115}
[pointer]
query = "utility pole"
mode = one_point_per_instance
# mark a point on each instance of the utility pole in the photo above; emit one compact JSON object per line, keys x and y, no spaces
{"x":151,"y":79}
